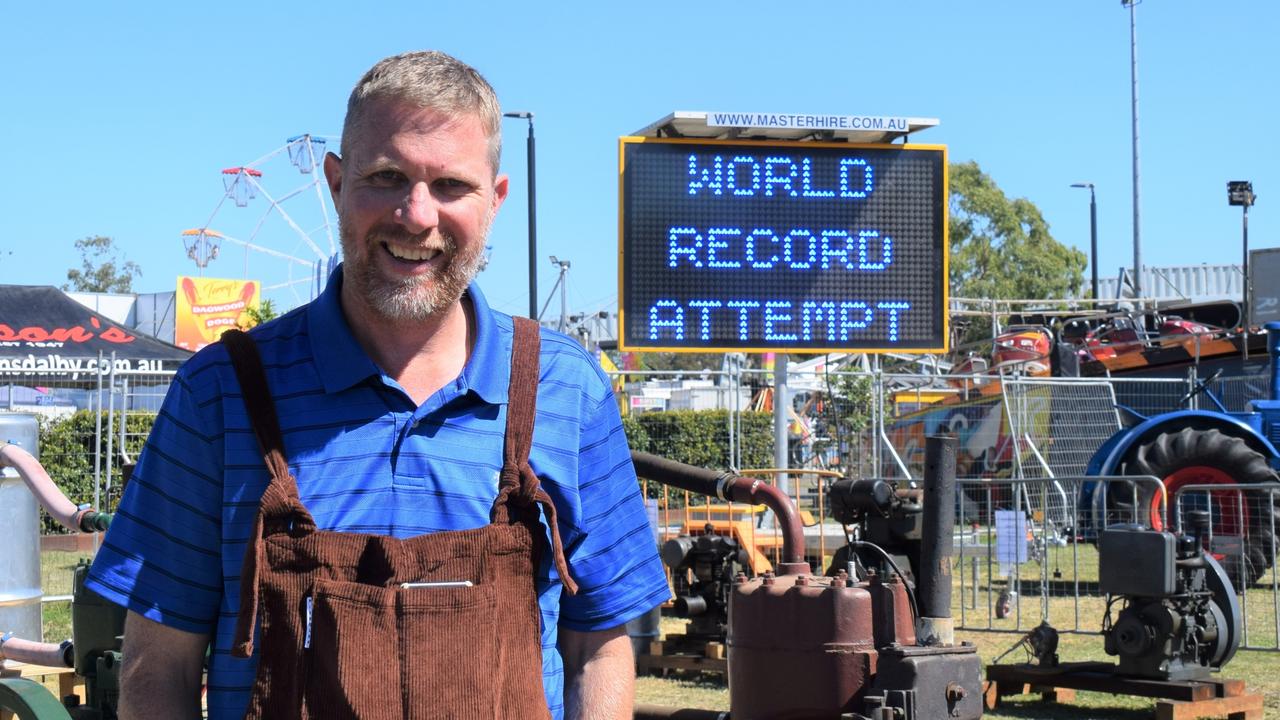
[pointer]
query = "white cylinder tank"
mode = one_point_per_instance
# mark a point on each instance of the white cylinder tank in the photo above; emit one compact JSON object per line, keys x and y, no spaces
{"x":20,"y":527}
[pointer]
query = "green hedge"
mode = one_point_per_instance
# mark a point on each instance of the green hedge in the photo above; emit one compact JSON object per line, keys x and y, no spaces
{"x":701,"y":437}
{"x":67,"y":454}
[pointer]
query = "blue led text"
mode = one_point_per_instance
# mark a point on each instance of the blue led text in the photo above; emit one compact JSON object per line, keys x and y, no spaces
{"x":778,"y":176}
{"x":776,"y":322}
{"x":732,"y":248}
{"x":673,"y":320}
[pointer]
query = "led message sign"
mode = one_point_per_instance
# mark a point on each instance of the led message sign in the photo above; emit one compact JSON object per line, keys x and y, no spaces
{"x":782,"y":246}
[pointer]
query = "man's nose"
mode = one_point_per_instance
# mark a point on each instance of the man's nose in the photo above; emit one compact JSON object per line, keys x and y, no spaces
{"x":418,"y":212}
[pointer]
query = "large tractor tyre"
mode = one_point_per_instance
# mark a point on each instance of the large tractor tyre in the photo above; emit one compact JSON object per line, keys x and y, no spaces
{"x":1193,"y":456}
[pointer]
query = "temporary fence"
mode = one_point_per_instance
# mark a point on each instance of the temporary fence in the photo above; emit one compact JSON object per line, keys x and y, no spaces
{"x":1023,"y":554}
{"x":1023,"y":451}
{"x":1032,"y":434}
{"x":1236,"y":392}
{"x":1017,"y":564}
{"x":872,"y":423}
{"x":862,"y":423}
{"x":1015,"y":540}
{"x":127,"y":394}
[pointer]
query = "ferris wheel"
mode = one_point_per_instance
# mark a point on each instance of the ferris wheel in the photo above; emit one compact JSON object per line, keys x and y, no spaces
{"x":276,"y":212}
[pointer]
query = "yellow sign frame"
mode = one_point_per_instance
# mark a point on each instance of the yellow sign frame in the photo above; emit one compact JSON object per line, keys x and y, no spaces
{"x":624,"y":141}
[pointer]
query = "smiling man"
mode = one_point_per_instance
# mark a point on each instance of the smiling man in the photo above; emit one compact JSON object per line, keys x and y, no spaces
{"x":450,"y":525}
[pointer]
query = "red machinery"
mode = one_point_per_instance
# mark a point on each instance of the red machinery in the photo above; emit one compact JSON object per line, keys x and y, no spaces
{"x":1027,"y":349}
{"x":810,"y":646}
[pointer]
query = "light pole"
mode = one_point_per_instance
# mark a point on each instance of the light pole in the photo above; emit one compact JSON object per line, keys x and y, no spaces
{"x":1240,"y":192}
{"x":1093,"y":235}
{"x":562,"y":283}
{"x":533,"y":214}
{"x":1137,"y":183}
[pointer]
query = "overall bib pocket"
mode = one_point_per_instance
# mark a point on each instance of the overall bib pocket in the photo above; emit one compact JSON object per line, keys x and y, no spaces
{"x":448,"y":651}
{"x":353,"y":669}
{"x":378,"y":653}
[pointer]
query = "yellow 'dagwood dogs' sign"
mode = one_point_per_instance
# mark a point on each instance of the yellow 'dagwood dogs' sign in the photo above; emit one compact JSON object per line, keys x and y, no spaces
{"x":207,"y":307}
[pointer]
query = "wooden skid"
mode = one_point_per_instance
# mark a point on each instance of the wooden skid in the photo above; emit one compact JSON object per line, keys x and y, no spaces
{"x":680,"y":653}
{"x":1175,"y":699}
{"x":68,"y":682}
{"x":1240,"y":707}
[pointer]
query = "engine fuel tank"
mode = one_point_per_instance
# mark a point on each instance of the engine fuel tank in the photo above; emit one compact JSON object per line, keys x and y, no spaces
{"x":803,"y":646}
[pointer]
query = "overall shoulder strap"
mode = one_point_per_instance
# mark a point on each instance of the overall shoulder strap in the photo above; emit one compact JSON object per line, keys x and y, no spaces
{"x":257,"y":400}
{"x":522,"y":393}
{"x":280,"y":500}
{"x":517,"y":481}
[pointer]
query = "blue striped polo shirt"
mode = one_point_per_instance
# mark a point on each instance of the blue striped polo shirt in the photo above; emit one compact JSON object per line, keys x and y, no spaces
{"x":367,"y":459}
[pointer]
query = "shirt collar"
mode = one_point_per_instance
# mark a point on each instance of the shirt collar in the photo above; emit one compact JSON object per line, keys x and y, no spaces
{"x":340,"y":360}
{"x":488,"y":370}
{"x":342,"y":363}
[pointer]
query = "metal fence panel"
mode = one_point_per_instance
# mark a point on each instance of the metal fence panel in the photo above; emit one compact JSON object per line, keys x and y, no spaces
{"x":1016,"y":565}
{"x":1242,"y":526}
{"x":1061,"y":423}
{"x":1236,"y":392}
{"x":1149,"y":396}
{"x":87,"y":459}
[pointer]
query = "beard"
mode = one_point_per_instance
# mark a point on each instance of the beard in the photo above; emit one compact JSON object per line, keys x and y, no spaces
{"x":413,"y":298}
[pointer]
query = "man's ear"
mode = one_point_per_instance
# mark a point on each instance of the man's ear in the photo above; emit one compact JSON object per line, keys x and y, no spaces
{"x":501,"y":184}
{"x":333,"y":174}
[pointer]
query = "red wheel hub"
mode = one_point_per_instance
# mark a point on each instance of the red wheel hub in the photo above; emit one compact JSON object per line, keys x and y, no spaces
{"x":1227,"y":519}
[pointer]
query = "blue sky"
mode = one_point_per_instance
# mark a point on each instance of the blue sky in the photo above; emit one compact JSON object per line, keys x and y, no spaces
{"x":117,"y":120}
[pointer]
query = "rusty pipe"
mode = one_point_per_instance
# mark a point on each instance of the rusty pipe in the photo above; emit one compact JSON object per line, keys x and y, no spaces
{"x":44,"y":490}
{"x":37,"y":653}
{"x":732,"y":488}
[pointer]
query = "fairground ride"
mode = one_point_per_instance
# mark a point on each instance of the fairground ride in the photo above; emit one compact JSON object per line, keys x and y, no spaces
{"x":285,"y":228}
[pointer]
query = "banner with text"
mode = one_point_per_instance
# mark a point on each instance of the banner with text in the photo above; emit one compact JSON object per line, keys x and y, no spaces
{"x":207,"y":307}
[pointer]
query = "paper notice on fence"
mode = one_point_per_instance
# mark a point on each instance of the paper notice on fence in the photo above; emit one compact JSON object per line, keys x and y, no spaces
{"x":1011,"y":540}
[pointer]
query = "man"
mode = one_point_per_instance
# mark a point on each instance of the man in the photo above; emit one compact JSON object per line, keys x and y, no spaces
{"x":390,"y":390}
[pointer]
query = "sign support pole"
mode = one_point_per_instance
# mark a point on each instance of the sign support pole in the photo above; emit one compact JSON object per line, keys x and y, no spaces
{"x":781,"y":402}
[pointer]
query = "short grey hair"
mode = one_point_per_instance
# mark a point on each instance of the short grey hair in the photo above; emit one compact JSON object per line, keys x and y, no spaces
{"x":430,"y":80}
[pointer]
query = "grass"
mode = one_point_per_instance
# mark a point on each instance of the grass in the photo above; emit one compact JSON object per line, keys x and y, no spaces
{"x":56,"y":579}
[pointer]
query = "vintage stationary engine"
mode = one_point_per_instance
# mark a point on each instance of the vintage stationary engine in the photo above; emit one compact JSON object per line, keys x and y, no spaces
{"x":1181,"y":618}
{"x":803,"y":646}
{"x":889,"y":519}
{"x":703,"y":568}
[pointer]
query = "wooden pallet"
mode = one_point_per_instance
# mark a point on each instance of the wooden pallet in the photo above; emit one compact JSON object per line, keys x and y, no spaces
{"x":680,"y":653}
{"x":1176,"y":699}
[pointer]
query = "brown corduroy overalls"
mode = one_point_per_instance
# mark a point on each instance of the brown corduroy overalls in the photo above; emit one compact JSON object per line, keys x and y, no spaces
{"x":443,"y":625}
